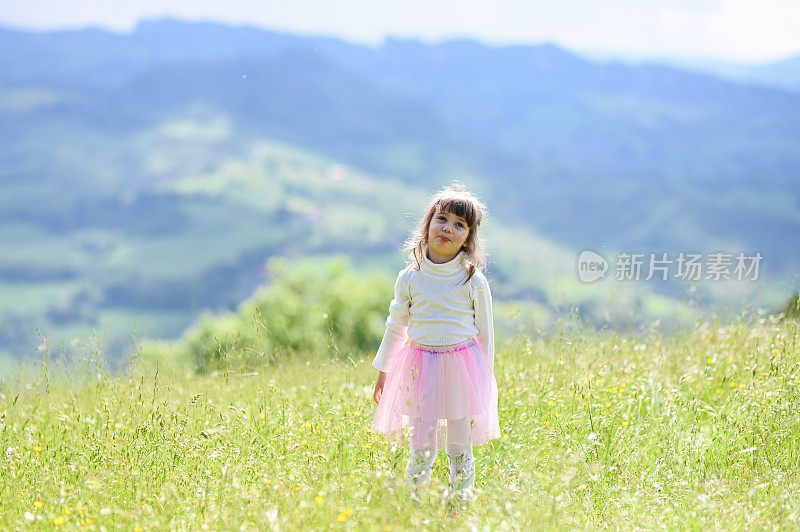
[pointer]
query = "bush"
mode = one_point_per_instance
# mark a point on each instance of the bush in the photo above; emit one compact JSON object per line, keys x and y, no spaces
{"x":308,"y":309}
{"x":791,"y":309}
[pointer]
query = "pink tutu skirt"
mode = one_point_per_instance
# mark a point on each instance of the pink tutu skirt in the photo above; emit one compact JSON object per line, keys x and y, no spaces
{"x":436,"y":391}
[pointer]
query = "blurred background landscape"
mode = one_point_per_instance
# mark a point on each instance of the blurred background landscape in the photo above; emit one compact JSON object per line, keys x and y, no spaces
{"x":148,"y":177}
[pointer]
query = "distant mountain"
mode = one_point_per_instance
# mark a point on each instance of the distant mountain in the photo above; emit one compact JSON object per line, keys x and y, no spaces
{"x":783,"y":74}
{"x":644,"y":156}
{"x":96,"y":58}
{"x":124,"y":157}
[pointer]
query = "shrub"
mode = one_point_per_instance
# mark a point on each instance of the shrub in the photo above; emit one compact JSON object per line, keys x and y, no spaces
{"x":307,"y":308}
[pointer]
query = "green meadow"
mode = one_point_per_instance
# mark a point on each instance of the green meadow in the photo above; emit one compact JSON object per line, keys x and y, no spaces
{"x":697,"y":429}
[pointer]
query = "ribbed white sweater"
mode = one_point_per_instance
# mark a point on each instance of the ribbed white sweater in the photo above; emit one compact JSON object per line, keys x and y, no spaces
{"x":433,"y":307}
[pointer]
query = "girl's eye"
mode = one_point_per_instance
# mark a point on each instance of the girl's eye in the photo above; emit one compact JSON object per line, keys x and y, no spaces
{"x":460,"y":224}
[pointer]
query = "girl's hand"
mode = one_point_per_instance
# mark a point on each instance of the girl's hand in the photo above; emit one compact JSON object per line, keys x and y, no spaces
{"x":379,"y":387}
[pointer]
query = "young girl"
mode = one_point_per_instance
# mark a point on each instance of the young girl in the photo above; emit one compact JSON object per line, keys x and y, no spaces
{"x":442,"y":381}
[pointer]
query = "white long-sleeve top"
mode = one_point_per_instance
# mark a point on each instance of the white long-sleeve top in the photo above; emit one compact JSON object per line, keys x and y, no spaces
{"x":433,"y":306}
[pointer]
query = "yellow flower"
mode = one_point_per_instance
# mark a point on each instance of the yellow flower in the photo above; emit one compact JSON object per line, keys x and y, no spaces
{"x":319,"y":500}
{"x":344,"y":515}
{"x":718,"y":390}
{"x":137,"y":529}
{"x":776,"y":351}
{"x":267,"y":481}
{"x":262,"y":415}
{"x":38,"y":504}
{"x":66,"y":511}
{"x":298,"y":488}
{"x":37,"y":449}
{"x":58,"y":520}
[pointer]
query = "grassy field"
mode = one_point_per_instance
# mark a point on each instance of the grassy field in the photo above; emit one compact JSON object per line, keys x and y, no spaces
{"x":699,"y":430}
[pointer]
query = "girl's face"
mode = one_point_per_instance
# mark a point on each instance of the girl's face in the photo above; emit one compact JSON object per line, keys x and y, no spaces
{"x":446,"y":234}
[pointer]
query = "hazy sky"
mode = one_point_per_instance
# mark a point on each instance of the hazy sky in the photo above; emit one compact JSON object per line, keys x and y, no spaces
{"x":739,"y":30}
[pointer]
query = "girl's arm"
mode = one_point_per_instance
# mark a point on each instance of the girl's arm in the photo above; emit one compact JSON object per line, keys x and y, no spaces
{"x":396,"y":325}
{"x":484,"y":319}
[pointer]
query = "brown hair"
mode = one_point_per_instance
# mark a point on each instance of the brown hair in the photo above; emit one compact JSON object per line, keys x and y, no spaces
{"x":457,"y":200}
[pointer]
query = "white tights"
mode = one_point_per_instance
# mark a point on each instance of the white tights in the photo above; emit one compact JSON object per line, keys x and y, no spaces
{"x":458,"y":445}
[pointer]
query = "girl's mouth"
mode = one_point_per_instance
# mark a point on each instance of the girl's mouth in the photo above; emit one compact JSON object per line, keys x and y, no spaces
{"x":444,"y":239}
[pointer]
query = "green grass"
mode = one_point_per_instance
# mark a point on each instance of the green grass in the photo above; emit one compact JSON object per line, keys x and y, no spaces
{"x":698,"y":430}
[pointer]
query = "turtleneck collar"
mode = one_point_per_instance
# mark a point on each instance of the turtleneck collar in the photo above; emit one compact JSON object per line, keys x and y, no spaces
{"x":451,"y":267}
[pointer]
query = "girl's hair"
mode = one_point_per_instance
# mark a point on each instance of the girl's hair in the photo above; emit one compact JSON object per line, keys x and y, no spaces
{"x":457,"y":200}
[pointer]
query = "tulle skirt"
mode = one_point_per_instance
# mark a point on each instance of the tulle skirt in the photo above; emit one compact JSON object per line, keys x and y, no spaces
{"x":436,"y":392}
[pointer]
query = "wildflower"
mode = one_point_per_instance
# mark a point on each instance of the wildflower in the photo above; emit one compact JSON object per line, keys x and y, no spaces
{"x":344,"y":515}
{"x":38,"y":504}
{"x":262,"y":415}
{"x":718,"y":390}
{"x":66,"y":511}
{"x":29,"y":516}
{"x":58,"y":520}
{"x":37,"y":449}
{"x":319,"y":500}
{"x":298,"y":488}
